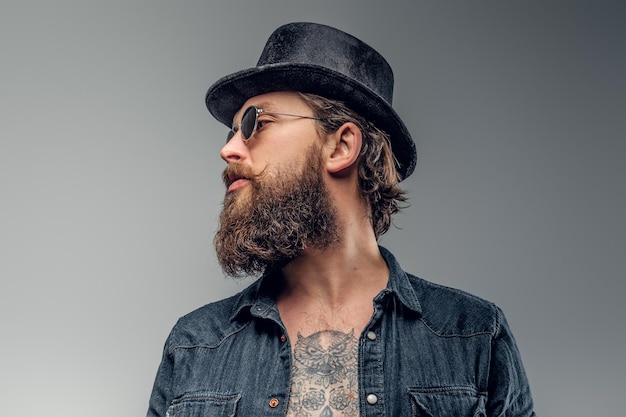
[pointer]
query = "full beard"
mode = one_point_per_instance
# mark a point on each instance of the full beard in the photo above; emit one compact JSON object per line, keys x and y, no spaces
{"x":280,"y":217}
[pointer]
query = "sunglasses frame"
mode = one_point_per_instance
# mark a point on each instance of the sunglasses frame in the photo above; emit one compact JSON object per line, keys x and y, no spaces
{"x":237,"y":127}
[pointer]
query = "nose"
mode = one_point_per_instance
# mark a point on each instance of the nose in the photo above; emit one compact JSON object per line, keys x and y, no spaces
{"x":235,"y":149}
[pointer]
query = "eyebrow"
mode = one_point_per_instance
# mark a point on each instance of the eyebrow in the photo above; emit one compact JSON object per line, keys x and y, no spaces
{"x":266,"y":105}
{"x":263,"y":105}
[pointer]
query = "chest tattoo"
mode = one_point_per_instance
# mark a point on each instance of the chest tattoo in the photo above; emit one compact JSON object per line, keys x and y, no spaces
{"x":324,"y":376}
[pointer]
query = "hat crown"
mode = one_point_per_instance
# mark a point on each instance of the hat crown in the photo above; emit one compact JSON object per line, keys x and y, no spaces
{"x":330,"y":48}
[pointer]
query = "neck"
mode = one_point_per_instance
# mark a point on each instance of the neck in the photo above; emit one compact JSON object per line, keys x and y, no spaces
{"x":349,"y":270}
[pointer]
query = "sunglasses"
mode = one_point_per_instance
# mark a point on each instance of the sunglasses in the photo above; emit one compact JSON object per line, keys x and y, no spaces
{"x":250,"y":121}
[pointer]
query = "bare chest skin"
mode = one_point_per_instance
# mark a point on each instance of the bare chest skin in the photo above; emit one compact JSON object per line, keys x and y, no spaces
{"x":324,"y":373}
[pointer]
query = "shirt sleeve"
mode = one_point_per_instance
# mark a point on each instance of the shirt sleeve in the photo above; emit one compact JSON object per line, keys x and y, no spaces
{"x":162,"y":393}
{"x":509,"y":391}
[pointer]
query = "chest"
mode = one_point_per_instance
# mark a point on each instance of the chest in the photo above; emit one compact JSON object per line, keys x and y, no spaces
{"x":324,"y":377}
{"x":388,"y":369}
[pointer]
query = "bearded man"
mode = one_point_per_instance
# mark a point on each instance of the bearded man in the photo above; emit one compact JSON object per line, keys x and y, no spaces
{"x":333,"y":326}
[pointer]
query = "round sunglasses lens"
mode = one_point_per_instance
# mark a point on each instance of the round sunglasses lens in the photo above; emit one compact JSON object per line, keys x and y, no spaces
{"x":248,"y":122}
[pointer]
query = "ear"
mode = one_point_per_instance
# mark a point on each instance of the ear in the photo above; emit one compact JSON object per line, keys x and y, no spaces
{"x":344,"y":147}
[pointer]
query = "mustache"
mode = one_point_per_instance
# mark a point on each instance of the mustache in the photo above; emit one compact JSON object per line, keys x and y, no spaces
{"x":233,"y":172}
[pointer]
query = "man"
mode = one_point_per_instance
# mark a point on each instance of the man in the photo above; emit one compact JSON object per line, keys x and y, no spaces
{"x":334,"y":326}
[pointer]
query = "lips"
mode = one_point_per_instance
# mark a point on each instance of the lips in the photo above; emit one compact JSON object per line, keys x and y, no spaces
{"x":234,"y":178}
{"x":237,"y":183}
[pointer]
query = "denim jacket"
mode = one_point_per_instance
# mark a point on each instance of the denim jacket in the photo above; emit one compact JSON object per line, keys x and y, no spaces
{"x":428,"y":350}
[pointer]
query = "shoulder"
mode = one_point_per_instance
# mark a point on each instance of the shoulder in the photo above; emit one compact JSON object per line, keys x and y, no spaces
{"x":446,"y":311}
{"x":452,"y":312}
{"x":211,"y":323}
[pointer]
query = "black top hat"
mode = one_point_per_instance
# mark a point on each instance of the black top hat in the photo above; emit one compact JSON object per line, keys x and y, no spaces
{"x":319,"y":59}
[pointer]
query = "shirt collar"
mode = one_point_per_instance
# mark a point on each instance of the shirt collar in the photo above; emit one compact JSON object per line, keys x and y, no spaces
{"x":259,"y":299}
{"x":399,"y":284}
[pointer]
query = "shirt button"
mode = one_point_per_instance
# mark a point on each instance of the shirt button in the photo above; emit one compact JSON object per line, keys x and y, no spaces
{"x":283,"y":338}
{"x":274,"y":403}
{"x":371,"y":335}
{"x":372,"y":399}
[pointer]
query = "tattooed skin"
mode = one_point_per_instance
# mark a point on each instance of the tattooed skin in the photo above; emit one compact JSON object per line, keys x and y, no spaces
{"x":324,"y":376}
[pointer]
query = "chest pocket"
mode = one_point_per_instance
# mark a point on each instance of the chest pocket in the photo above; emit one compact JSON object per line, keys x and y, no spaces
{"x":458,"y":401}
{"x":204,"y":404}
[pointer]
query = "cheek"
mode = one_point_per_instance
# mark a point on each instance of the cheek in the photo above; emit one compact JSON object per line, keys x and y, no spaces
{"x":288,"y":159}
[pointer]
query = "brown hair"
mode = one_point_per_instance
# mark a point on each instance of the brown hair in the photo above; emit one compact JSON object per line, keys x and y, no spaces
{"x":378,"y":176}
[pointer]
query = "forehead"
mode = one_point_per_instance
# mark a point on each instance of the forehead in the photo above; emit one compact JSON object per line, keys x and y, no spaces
{"x":276,"y":101}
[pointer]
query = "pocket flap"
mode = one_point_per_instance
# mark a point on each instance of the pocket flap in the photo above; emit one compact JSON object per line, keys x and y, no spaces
{"x":458,"y":401}
{"x":204,"y":404}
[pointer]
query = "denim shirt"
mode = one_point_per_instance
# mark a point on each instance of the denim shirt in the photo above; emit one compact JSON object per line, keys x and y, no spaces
{"x":428,"y":350}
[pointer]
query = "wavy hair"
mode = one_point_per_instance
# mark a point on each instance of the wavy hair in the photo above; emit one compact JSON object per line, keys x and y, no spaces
{"x":378,"y":178}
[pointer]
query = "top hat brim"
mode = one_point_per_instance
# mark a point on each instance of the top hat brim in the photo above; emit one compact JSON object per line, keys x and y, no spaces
{"x":226,"y":96}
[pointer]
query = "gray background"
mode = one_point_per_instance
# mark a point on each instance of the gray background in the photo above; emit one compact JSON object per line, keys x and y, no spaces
{"x":109,"y":181}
